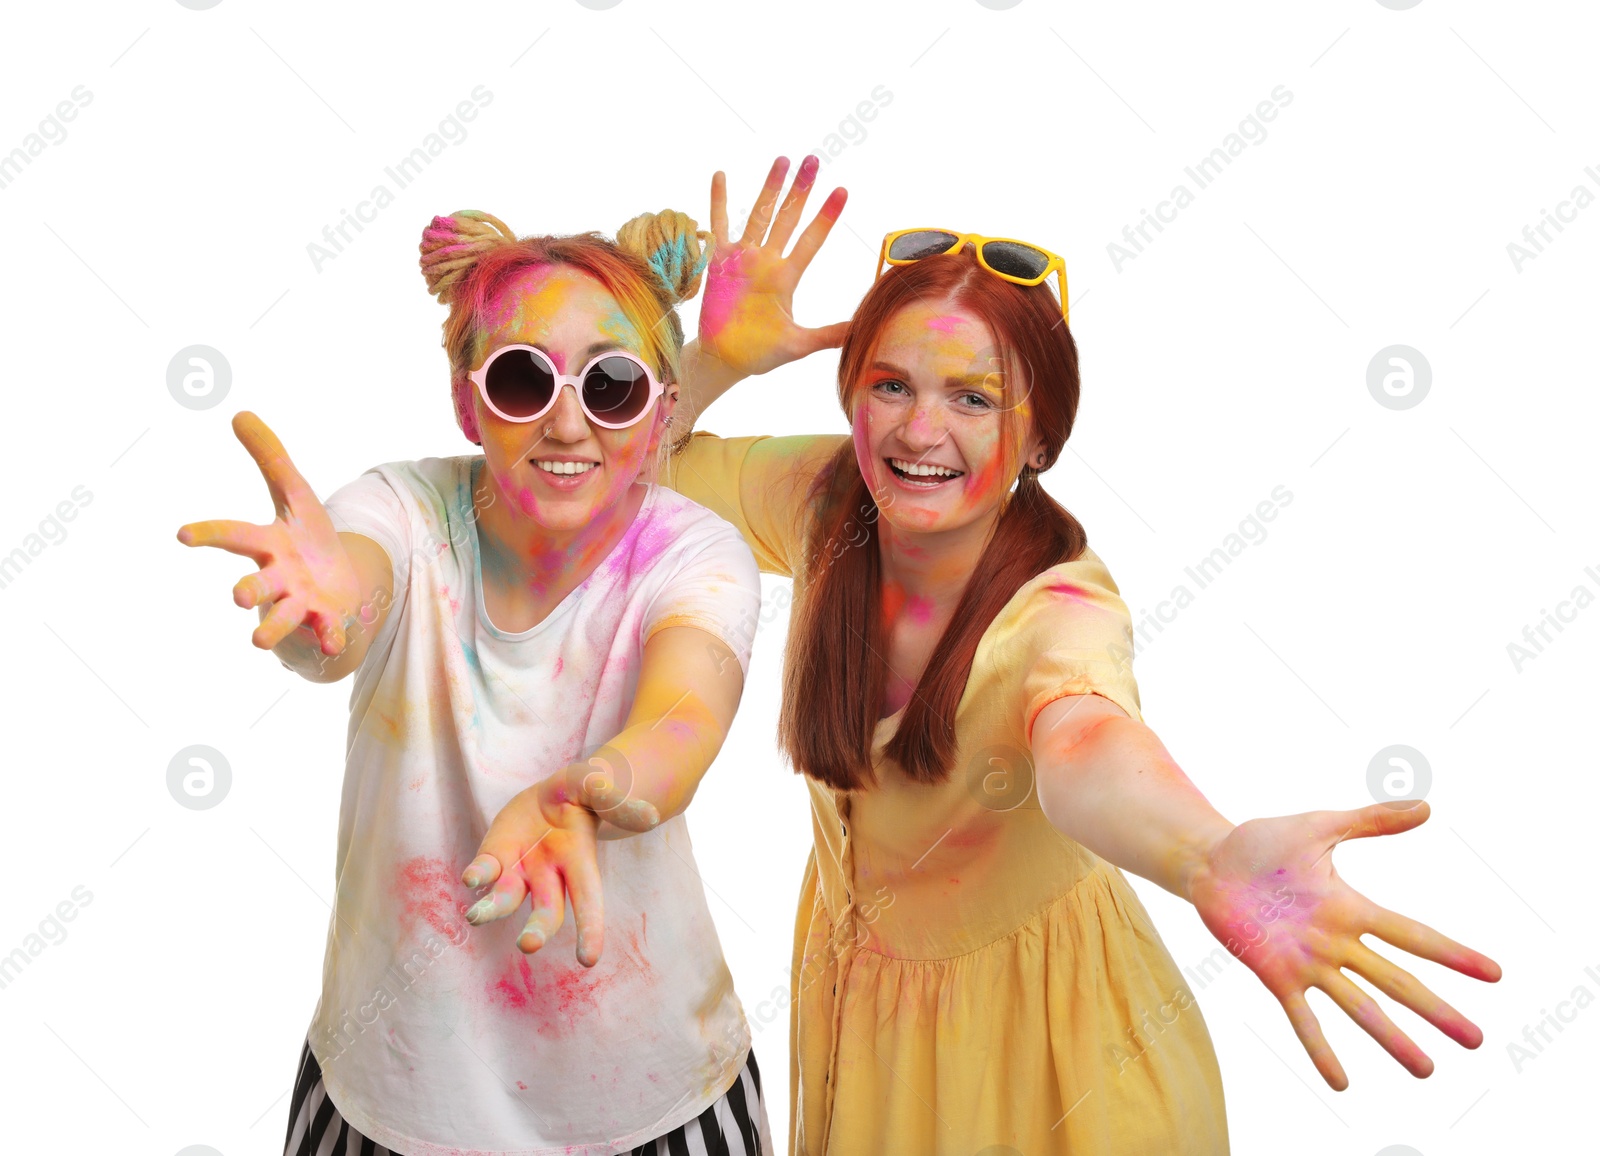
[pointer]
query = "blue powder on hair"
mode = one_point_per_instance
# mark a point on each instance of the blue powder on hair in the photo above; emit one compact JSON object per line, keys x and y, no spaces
{"x":669,"y":259}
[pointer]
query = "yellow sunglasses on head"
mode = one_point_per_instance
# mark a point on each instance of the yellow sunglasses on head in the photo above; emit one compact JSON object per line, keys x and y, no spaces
{"x":1007,"y":258}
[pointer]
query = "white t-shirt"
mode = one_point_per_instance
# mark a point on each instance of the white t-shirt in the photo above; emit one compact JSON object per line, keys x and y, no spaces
{"x":438,"y":1037}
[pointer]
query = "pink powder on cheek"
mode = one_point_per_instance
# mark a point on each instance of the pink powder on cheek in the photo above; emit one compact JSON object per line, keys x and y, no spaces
{"x":981,"y":483}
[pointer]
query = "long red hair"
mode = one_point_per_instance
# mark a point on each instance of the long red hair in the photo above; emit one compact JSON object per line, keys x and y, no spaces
{"x":835,"y":674}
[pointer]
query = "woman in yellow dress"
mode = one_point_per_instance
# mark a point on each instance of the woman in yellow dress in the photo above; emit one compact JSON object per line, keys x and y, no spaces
{"x":972,"y":971}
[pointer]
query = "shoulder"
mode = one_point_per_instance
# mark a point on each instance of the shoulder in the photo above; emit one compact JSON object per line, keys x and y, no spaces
{"x":427,"y":478}
{"x":684,"y":524}
{"x":1071,"y":605}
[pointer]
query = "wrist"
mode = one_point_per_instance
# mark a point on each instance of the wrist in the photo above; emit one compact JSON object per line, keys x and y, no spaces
{"x":1196,"y":857}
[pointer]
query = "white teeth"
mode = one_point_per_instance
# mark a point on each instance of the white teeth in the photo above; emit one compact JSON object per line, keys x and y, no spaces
{"x":918,"y":470}
{"x":565,"y":467}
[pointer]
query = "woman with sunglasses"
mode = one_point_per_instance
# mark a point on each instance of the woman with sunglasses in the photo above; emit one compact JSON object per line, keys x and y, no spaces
{"x":971,"y":968}
{"x":547,"y":650}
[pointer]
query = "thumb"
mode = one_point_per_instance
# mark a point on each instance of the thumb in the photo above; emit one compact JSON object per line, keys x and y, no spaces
{"x":826,"y":336}
{"x":1382,"y":818}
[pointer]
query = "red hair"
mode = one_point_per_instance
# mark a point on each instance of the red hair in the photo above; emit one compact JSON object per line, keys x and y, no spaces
{"x":835,"y":674}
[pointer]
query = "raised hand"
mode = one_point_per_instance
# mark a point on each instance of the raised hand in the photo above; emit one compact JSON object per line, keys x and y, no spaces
{"x":747,"y":316}
{"x":305,"y":573}
{"x":541,"y":846}
{"x":1270,"y":893}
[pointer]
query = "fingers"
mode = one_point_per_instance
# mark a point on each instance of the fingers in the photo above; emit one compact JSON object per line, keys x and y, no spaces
{"x":1304,"y":1022}
{"x":1362,"y":1008}
{"x":826,"y":337}
{"x":330,"y":632}
{"x":265,"y":585}
{"x":283,"y":480}
{"x":789,"y":214}
{"x":817,"y":232}
{"x":1384,"y":819}
{"x":582,"y":874}
{"x":1420,"y":939}
{"x":760,"y":216}
{"x":549,"y":909}
{"x":506,"y":897}
{"x":1404,"y":988}
{"x":482,"y":871}
{"x":719,"y":207}
{"x":235,"y":537}
{"x":280,"y":622}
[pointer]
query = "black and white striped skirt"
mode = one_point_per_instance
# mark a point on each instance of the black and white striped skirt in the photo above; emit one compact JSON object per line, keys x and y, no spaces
{"x":736,"y":1125}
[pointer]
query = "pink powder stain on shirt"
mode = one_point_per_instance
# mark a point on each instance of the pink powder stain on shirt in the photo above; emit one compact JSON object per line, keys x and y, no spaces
{"x":431,"y":894}
{"x":643,"y":542}
{"x":1069,"y":591}
{"x":555,"y":995}
{"x":560,"y":662}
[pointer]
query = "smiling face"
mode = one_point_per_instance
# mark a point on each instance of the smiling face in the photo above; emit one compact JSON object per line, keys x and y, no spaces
{"x":563,"y":470}
{"x":932,"y":435}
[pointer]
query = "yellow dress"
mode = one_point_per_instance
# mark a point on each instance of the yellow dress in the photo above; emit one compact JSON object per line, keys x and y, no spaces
{"x":967,"y":981}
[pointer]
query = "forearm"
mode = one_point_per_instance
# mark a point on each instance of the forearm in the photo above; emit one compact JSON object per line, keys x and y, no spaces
{"x":705,"y":378}
{"x":689,"y":688}
{"x":659,"y":763}
{"x":1113,"y":787}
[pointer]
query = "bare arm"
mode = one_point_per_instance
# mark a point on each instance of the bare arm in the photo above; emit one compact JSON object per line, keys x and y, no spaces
{"x":541,"y":846}
{"x":1267,"y":888}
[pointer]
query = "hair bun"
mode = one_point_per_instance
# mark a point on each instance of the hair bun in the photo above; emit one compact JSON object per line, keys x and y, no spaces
{"x":670,"y":243}
{"x":451,"y":244}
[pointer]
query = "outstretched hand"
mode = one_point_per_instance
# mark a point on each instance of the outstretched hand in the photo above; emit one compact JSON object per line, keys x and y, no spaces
{"x":747,"y":317}
{"x":305,"y":572}
{"x":542,"y":847}
{"x":1270,"y":893}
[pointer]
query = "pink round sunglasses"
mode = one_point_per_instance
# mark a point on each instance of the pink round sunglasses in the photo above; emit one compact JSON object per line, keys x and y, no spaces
{"x":519,"y":383}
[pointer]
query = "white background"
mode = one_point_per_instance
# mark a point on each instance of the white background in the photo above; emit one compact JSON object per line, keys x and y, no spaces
{"x":1227,"y":358}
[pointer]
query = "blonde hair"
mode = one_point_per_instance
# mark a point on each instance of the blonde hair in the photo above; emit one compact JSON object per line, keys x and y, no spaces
{"x":469,"y":257}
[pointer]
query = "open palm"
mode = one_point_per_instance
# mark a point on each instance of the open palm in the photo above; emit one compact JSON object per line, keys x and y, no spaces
{"x":305,"y":573}
{"x":747,"y":317}
{"x":1270,"y":893}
